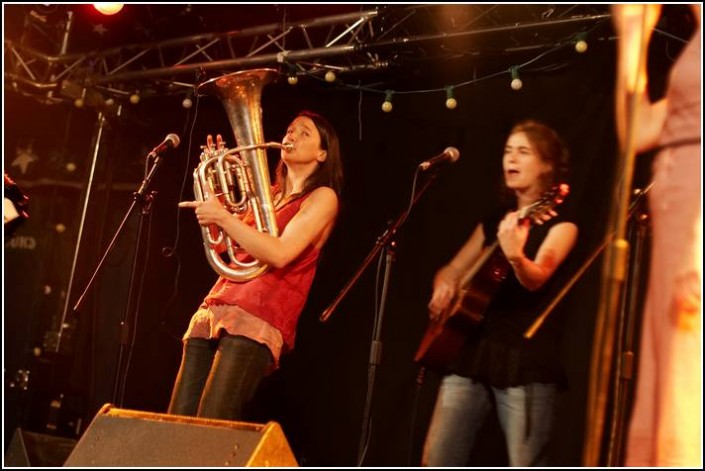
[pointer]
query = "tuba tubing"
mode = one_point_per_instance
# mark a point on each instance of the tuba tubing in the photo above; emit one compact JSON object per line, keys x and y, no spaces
{"x":241,"y":171}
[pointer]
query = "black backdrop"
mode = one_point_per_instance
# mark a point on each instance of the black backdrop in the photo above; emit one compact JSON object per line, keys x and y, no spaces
{"x":318,"y":395}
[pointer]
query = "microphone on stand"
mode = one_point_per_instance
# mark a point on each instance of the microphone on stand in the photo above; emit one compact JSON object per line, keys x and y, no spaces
{"x":171,"y":141}
{"x":450,"y":155}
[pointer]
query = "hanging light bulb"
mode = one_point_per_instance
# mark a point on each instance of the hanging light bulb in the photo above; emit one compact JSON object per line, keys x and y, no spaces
{"x":135,"y":98}
{"x":387,"y":105}
{"x":108,"y":8}
{"x":188,"y":100}
{"x":451,"y":102}
{"x":330,"y":76}
{"x":581,"y":44}
{"x":516,"y":81}
{"x":80,"y":101}
{"x":292,"y":78}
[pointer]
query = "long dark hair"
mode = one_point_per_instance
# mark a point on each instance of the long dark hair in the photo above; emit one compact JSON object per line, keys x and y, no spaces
{"x":330,"y":171}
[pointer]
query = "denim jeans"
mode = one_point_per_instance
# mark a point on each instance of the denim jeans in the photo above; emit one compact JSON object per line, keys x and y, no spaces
{"x":526,"y":415}
{"x":218,"y":378}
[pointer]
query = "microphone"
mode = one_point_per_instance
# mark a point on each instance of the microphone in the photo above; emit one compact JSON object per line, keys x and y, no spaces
{"x":170,"y":141}
{"x":451,"y":154}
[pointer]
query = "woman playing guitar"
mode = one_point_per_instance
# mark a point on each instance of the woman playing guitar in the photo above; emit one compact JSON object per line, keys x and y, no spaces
{"x":497,"y":367}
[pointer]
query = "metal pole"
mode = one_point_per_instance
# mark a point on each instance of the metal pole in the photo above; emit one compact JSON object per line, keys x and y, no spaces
{"x":625,"y":360}
{"x":613,"y":276}
{"x":86,"y":200}
{"x":67,"y":33}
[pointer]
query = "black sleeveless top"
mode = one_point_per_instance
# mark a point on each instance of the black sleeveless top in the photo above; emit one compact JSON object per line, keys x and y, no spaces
{"x":497,"y":353}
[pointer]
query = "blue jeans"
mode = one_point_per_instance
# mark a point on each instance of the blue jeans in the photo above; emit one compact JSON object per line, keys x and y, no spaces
{"x":526,"y":415}
{"x":218,"y":378}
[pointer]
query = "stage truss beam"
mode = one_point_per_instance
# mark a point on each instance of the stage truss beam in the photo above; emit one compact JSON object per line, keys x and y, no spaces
{"x":365,"y":40}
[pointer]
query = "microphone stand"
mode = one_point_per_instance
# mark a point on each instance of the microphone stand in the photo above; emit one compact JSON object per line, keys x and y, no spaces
{"x":625,"y":365}
{"x":616,"y":257}
{"x":541,"y":318}
{"x":381,"y":242}
{"x":385,"y":243}
{"x":625,"y":360}
{"x":144,"y":199}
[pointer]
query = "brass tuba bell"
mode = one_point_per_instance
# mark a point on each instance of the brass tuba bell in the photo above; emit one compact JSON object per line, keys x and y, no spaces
{"x":239,"y":176}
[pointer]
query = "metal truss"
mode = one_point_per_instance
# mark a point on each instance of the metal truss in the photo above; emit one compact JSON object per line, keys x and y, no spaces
{"x":367,"y":40}
{"x":158,"y":67}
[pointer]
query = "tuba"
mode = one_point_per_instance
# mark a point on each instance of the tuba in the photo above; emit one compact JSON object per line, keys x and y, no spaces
{"x":239,"y":176}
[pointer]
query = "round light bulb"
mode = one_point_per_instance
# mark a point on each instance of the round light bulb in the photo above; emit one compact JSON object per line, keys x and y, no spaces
{"x":581,"y":46}
{"x":187,"y":103}
{"x":60,"y":228}
{"x":387,"y":106}
{"x":451,"y":103}
{"x":330,"y":76}
{"x":108,"y":8}
{"x":516,"y":84}
{"x":135,"y":98}
{"x":79,"y":102}
{"x":70,"y":167}
{"x":292,"y":79}
{"x":110,"y":102}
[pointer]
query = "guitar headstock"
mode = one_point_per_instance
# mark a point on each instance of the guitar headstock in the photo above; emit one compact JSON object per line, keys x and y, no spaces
{"x":544,"y":209}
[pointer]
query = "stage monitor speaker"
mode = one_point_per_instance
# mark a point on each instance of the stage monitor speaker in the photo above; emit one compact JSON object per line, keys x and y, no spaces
{"x":128,"y":438}
{"x":29,"y":449}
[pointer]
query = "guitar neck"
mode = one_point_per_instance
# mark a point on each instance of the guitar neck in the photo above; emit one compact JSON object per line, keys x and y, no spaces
{"x":484,"y":256}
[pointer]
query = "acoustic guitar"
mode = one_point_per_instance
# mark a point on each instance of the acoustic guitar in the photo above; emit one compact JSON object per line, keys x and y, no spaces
{"x":446,"y":334}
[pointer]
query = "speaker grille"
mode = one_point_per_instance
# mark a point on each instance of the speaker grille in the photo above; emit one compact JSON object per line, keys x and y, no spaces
{"x":119,"y":437}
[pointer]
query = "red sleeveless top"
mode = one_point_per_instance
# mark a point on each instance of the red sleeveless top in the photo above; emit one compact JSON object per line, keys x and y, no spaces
{"x":278,"y":296}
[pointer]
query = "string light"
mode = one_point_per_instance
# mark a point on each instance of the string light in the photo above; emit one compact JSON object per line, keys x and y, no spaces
{"x":387,"y":105}
{"x":581,"y":44}
{"x":292,"y":78}
{"x":80,"y":101}
{"x":451,"y":102}
{"x":516,"y":81}
{"x":577,"y":41}
{"x":188,"y":100}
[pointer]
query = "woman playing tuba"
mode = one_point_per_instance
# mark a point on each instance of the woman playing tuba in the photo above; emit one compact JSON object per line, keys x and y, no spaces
{"x":241,"y":328}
